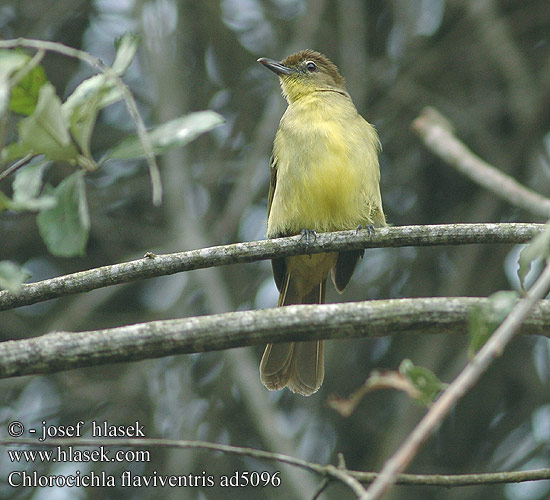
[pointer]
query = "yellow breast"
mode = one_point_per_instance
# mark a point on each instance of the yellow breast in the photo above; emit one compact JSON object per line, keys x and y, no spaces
{"x":327,"y":168}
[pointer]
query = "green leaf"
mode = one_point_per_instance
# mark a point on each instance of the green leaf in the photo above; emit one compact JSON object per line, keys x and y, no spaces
{"x":424,"y":380}
{"x":126,"y":46}
{"x":12,"y":152}
{"x":28,"y":181}
{"x":12,"y":276}
{"x":26,"y":189}
{"x":4,"y":95}
{"x":169,"y":135}
{"x":46,"y":131}
{"x":110,"y":93}
{"x":485,"y":319}
{"x":82,"y":122}
{"x":65,"y":227}
{"x":538,"y":247}
{"x":10,"y":61}
{"x":83,"y":105}
{"x":24,"y":96}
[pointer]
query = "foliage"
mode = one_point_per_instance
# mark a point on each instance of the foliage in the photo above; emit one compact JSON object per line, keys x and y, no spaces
{"x":426,"y":384}
{"x":12,"y":275}
{"x":53,"y":132}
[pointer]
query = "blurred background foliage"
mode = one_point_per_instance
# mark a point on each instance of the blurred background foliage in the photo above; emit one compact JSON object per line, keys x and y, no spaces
{"x":483,"y":63}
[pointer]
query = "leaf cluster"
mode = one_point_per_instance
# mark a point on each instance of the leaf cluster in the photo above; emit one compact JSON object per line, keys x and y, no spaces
{"x":51,"y":132}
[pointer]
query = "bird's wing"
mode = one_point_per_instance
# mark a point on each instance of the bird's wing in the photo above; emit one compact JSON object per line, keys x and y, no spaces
{"x":272,"y":182}
{"x":279,"y":265}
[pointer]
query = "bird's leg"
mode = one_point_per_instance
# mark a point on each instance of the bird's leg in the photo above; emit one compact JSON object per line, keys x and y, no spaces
{"x":307,"y":235}
{"x":369,"y":228}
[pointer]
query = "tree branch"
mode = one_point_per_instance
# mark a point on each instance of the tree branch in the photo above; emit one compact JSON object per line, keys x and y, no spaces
{"x":467,"y":378}
{"x":329,"y":470}
{"x":437,"y":134}
{"x":160,"y":265}
{"x":59,"y":351}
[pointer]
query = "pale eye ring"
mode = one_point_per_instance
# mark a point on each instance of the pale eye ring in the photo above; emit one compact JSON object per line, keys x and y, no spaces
{"x":311,"y":66}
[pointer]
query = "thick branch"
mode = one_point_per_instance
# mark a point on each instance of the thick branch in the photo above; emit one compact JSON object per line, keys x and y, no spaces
{"x":59,"y":351}
{"x":160,"y":265}
{"x":437,"y":134}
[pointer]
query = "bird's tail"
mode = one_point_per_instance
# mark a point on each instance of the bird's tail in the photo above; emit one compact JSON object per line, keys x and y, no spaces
{"x":299,"y":366}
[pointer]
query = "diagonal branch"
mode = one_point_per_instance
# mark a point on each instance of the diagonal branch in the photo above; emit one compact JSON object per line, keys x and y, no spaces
{"x":59,"y":351}
{"x":437,"y":134}
{"x":465,"y":381}
{"x":160,"y":265}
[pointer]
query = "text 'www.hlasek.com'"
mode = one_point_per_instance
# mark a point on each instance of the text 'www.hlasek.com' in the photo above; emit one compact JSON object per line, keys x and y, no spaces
{"x":28,"y":463}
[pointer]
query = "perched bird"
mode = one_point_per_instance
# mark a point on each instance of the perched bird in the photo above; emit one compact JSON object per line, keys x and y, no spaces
{"x":324,"y":177}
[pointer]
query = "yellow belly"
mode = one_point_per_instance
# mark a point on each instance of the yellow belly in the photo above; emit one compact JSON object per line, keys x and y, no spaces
{"x":326,"y":181}
{"x":327,"y":168}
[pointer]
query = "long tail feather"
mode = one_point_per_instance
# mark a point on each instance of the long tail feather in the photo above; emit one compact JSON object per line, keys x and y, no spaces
{"x":296,"y":365}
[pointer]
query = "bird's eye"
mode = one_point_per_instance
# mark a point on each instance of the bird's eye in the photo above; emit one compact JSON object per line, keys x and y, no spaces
{"x":311,"y":66}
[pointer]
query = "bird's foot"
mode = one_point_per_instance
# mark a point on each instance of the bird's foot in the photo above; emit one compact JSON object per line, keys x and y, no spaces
{"x":307,"y":235}
{"x":369,"y":228}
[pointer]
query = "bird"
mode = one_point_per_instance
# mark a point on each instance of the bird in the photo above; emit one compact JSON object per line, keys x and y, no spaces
{"x":324,"y":176}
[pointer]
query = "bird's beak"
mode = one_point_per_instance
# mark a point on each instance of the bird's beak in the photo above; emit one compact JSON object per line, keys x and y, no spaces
{"x":276,"y":67}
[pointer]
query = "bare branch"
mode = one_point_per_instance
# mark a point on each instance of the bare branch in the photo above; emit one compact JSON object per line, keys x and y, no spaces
{"x":331,"y":471}
{"x":59,"y":351}
{"x":435,"y":131}
{"x":345,"y":477}
{"x":465,"y":381}
{"x":161,"y":265}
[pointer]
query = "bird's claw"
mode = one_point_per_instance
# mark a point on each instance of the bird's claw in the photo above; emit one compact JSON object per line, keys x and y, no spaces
{"x":307,"y":234}
{"x":369,"y":228}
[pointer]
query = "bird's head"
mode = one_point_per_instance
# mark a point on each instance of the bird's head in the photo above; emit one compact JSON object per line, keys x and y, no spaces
{"x":305,"y":72}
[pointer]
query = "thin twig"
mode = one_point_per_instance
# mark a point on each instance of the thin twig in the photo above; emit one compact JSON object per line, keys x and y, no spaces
{"x":345,"y":477}
{"x":161,"y":265}
{"x":128,"y":98}
{"x":465,"y":380}
{"x":16,"y":166}
{"x":323,"y":485}
{"x":25,"y":70}
{"x":327,"y":471}
{"x":58,"y":351}
{"x":435,"y":131}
